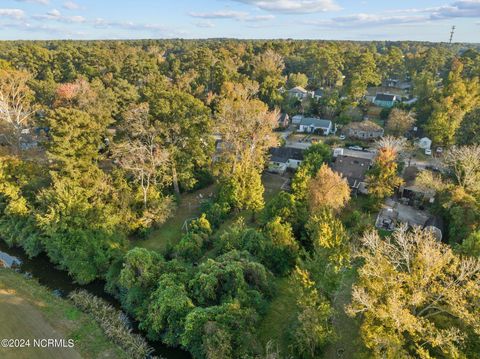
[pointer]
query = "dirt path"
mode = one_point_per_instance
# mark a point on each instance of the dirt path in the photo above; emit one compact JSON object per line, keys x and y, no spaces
{"x":20,"y":319}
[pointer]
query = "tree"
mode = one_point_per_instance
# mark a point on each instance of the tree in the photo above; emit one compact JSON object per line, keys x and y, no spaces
{"x":246,"y":127}
{"x":362,"y":72}
{"x":327,"y":189}
{"x":313,"y":158}
{"x":243,"y":188}
{"x":382,"y":178}
{"x":465,"y":165}
{"x":297,"y":79}
{"x":184,"y":127}
{"x":400,"y":121}
{"x":267,"y":70}
{"x":15,"y":105}
{"x":330,"y":239}
{"x":311,"y":331}
{"x":141,"y":154}
{"x":459,"y":97}
{"x":416,"y":298}
{"x":168,"y":308}
{"x":78,"y":213}
{"x":469,"y":131}
{"x":75,"y":140}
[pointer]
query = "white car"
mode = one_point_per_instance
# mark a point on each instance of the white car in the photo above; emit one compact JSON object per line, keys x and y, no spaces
{"x":355,"y":148}
{"x":439,"y":150}
{"x":428,"y":152}
{"x":342,"y":137}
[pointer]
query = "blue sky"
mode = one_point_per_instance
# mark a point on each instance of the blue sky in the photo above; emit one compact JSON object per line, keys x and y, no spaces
{"x":300,"y":19}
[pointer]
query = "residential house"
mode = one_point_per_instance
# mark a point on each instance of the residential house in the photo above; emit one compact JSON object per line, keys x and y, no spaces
{"x":354,"y":169}
{"x":315,"y":125}
{"x":284,"y":158}
{"x":297,"y":119}
{"x":365,"y":130}
{"x":300,"y":93}
{"x":386,"y":100}
{"x":398,"y":84}
{"x":283,"y":120}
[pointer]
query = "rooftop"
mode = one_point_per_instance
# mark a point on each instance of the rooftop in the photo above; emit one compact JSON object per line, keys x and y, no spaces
{"x":299,"y":89}
{"x":315,"y":122}
{"x":385,"y":97}
{"x":366,"y":125}
{"x":283,"y":154}
{"x":353,"y":168}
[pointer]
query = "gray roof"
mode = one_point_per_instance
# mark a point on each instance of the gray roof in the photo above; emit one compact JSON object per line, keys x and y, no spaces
{"x":354,"y":169}
{"x":283,"y":154}
{"x":316,"y":122}
{"x":385,"y":97}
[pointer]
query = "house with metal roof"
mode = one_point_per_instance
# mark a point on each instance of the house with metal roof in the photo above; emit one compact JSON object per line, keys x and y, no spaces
{"x":315,"y":125}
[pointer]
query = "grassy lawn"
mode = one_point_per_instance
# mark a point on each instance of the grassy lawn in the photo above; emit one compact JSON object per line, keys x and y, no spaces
{"x":30,"y":311}
{"x":189,"y":207}
{"x":273,"y":185}
{"x":171,"y":231}
{"x":346,"y":328}
{"x":280,"y":314}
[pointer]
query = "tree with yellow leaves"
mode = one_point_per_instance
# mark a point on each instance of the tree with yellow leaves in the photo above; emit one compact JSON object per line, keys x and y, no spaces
{"x":416,"y":298}
{"x":328,"y":189}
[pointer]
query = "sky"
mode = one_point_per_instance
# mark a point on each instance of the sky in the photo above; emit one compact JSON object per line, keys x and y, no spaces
{"x":422,"y":20}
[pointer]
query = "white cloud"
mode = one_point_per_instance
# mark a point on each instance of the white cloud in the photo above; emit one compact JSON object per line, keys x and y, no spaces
{"x":259,"y":18}
{"x":43,"y":2}
{"x":293,"y":6}
{"x":228,"y":14}
{"x":205,"y":24}
{"x":12,"y":13}
{"x":222,"y":14}
{"x":458,"y":9}
{"x":71,"y":5}
{"x":360,"y":20}
{"x":56,"y":15}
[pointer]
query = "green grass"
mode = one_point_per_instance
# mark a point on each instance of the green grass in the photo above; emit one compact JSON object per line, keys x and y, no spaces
{"x":30,"y":311}
{"x":280,"y":315}
{"x":346,"y":328}
{"x":171,"y":232}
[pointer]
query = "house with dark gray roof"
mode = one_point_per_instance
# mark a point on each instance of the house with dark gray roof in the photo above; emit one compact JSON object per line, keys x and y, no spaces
{"x":315,"y":125}
{"x":284,"y":158}
{"x":354,"y":169}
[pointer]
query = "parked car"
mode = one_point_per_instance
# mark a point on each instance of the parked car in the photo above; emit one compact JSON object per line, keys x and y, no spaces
{"x":439,"y":150}
{"x":355,"y":148}
{"x":428,"y":152}
{"x":342,"y":137}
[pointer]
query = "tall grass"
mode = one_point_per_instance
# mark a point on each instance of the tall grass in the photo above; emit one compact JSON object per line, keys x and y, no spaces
{"x":112,"y":323}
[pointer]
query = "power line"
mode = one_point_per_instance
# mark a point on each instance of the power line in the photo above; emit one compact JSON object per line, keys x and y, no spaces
{"x":452,"y":33}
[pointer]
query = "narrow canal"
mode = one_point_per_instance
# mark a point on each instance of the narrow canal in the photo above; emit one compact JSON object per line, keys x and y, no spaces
{"x":47,"y":275}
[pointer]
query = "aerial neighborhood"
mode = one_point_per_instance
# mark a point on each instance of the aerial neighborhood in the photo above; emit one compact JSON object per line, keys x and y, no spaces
{"x":240,"y":199}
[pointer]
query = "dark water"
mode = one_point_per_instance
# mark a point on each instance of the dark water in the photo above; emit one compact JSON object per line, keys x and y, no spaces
{"x":45,"y":272}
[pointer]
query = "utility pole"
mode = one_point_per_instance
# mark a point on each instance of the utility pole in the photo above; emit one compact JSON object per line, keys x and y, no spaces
{"x":452,"y":33}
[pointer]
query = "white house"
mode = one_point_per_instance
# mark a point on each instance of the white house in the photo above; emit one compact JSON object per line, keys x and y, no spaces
{"x":311,"y":125}
{"x":300,"y":93}
{"x":283,"y":158}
